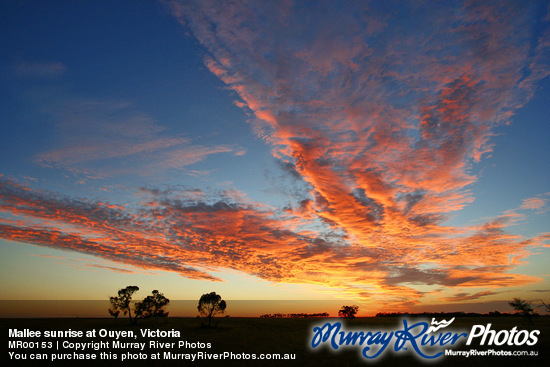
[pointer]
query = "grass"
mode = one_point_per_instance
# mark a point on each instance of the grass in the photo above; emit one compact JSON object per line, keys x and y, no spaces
{"x":291,"y":336}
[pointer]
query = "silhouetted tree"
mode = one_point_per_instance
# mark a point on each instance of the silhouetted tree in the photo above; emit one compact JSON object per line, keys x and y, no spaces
{"x":546,"y":306}
{"x":150,"y":306}
{"x":348,"y":312}
{"x":211,"y":304}
{"x":523,"y":308}
{"x":123,"y":302}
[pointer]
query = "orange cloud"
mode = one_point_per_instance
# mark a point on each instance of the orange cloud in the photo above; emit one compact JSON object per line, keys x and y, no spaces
{"x":382,"y":125}
{"x":376,"y":120}
{"x":176,"y":232}
{"x":538,"y":203}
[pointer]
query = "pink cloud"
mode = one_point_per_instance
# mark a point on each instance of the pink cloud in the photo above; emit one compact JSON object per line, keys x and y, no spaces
{"x":538,"y":203}
{"x":383,"y":123}
{"x":378,"y":121}
{"x":195,"y":233}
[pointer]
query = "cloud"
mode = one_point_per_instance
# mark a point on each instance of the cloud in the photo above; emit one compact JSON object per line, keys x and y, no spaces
{"x":533,"y":203}
{"x":460,"y":297}
{"x":379,"y":107}
{"x":541,"y":290}
{"x":50,"y":256}
{"x":39,"y":70}
{"x":64,"y":259}
{"x":112,"y":268}
{"x":379,"y":110}
{"x":538,"y":203}
{"x":105,"y":138}
{"x":195,"y":233}
{"x":383,"y":109}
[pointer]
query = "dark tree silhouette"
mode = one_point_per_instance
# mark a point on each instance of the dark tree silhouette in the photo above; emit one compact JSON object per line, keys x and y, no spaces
{"x":348,"y":312}
{"x":150,"y":306}
{"x":523,"y":308}
{"x":546,"y":306}
{"x":123,"y":302}
{"x":211,"y":304}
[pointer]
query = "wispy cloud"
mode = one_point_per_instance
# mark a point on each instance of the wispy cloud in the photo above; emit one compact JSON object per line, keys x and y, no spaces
{"x":378,"y":112}
{"x":39,"y":70}
{"x":50,"y":256}
{"x":538,"y":203}
{"x":375,"y":102}
{"x":194,"y":233}
{"x":112,"y":268}
{"x":383,"y":119}
{"x":87,"y":264}
{"x":104,"y":138}
{"x":460,"y":297}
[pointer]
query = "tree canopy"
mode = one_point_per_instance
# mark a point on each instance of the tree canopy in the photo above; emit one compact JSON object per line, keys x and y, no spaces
{"x":211,"y":304}
{"x":123,"y":302}
{"x":348,"y":312}
{"x":521,"y":306}
{"x":150,"y":306}
{"x":524,"y":308}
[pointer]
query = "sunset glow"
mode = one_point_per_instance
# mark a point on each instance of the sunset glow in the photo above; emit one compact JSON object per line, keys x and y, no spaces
{"x":394,"y":155}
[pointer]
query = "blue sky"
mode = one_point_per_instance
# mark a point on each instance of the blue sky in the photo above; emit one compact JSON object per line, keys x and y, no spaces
{"x":392,"y":153}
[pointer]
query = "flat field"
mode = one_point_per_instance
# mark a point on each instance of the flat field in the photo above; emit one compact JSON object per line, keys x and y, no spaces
{"x":247,"y":337}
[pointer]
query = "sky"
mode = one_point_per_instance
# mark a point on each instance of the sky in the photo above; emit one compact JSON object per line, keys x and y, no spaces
{"x":390,"y":154}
